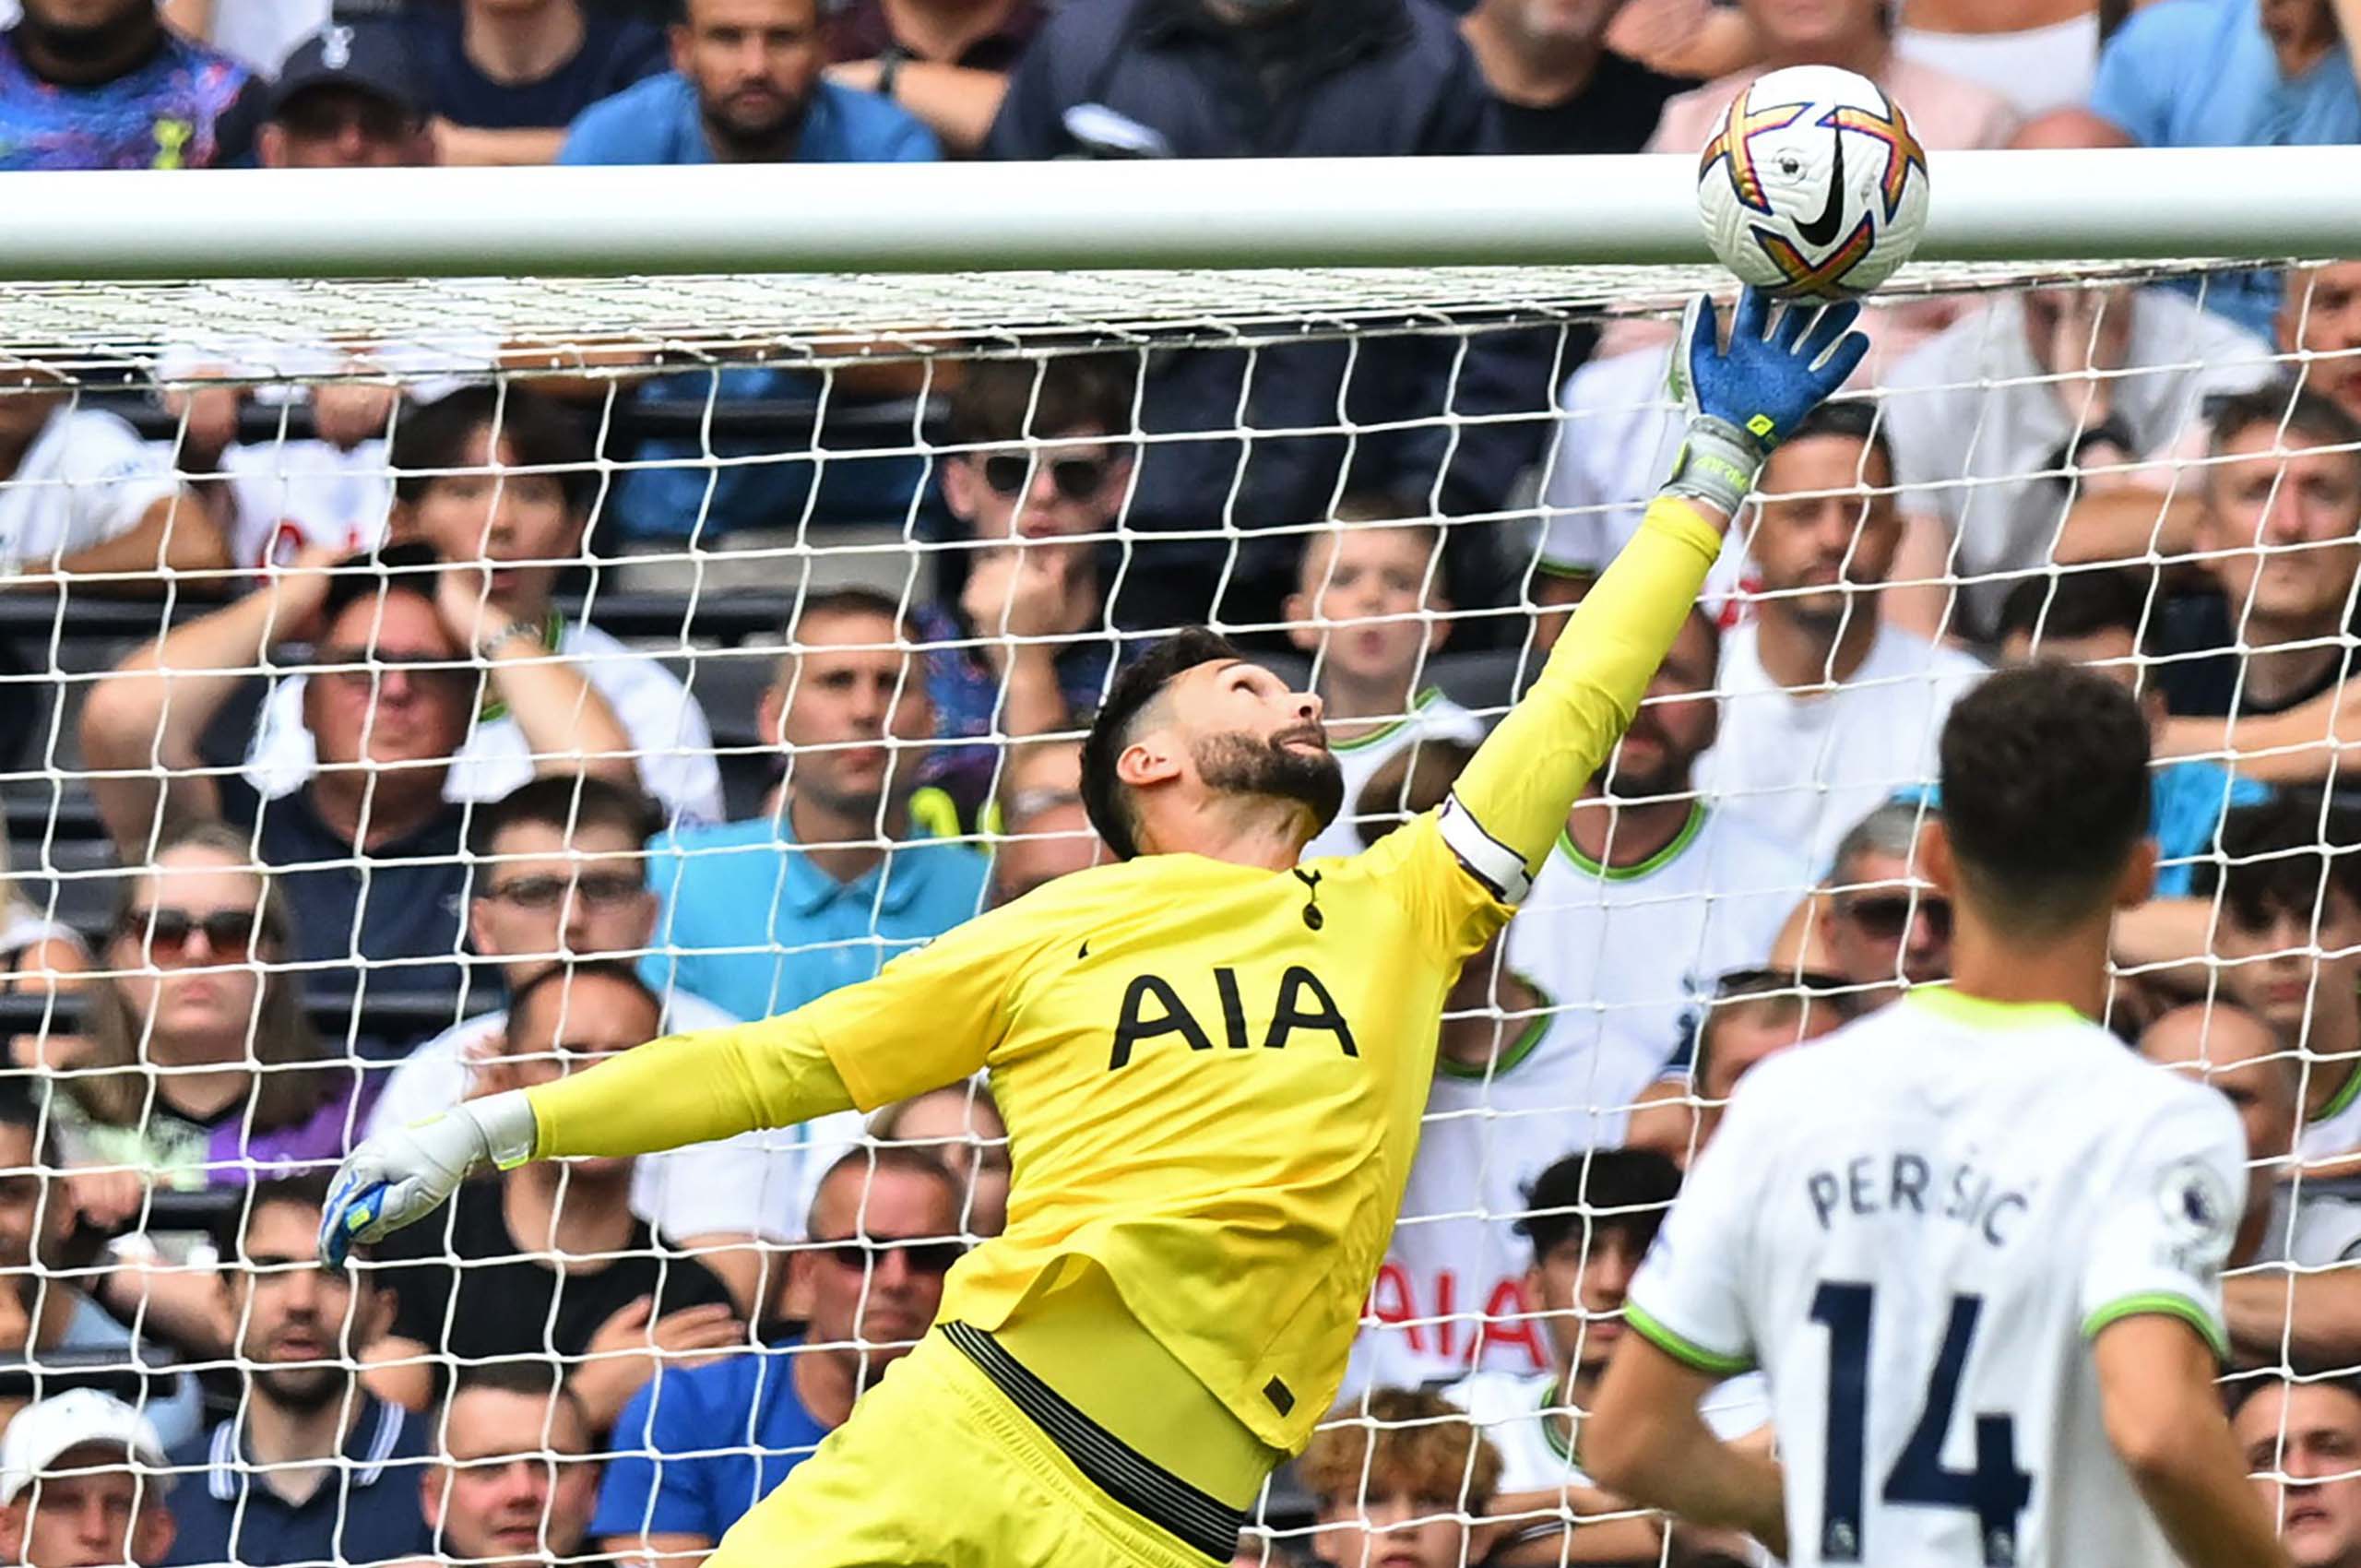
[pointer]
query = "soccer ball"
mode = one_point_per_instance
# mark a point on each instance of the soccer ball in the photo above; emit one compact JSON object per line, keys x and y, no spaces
{"x":1814,"y":186}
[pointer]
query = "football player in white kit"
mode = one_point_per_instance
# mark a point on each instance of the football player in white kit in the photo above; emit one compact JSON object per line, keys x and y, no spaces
{"x":1973,"y":1243}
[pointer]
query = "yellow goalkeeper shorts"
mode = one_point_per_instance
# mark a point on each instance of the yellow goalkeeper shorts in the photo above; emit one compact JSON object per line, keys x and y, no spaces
{"x":939,"y":1468}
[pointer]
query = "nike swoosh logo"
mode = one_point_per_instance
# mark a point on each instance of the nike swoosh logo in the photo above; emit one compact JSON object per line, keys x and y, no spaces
{"x":1822,"y":230}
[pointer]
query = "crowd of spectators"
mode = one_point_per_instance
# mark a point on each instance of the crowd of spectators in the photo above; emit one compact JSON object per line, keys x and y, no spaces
{"x":384,"y":809}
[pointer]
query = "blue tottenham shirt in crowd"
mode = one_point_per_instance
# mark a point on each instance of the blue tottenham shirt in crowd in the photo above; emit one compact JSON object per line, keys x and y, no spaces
{"x":698,"y":1446}
{"x":365,"y":1509}
{"x":753,"y":926}
{"x":658,"y":122}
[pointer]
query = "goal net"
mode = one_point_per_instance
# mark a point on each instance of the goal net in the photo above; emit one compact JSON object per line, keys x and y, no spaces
{"x":350,"y":623}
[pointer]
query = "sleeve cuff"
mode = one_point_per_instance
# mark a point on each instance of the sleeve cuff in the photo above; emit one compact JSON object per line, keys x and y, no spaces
{"x":1488,"y":859}
{"x":2161,"y":1303}
{"x":1687,"y":1352}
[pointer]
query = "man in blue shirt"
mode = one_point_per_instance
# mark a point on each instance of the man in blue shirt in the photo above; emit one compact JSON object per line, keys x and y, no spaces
{"x":696,"y":1448}
{"x":762,"y":916}
{"x":746,"y":88}
{"x":108,"y":86}
{"x":312,"y":1468}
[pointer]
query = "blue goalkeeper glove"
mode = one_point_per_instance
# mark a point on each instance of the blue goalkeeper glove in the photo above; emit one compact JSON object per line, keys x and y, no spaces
{"x":398,"y":1177}
{"x":1743,"y":399}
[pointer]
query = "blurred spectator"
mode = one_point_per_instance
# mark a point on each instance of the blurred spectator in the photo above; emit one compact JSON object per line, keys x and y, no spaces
{"x":960,"y":1126}
{"x":697,"y":1447}
{"x":82,"y":1483}
{"x":1039,"y":489}
{"x":1877,"y":926}
{"x":1753,"y":1015}
{"x":1394,"y":1478}
{"x":552,"y":1265}
{"x":406,"y":650}
{"x":1589,"y":1218}
{"x":561,"y":879}
{"x":513,"y":1485}
{"x":1826,"y":707}
{"x":1369,"y":606}
{"x":1555,"y":87}
{"x":46,"y":1313}
{"x":2094,"y":618}
{"x":2286,"y":933}
{"x":2302,"y":1297}
{"x":819,"y":891}
{"x":504,"y":480}
{"x":313,"y":1468}
{"x":1994,"y":424}
{"x":105,"y":84}
{"x":2302,"y":1440}
{"x":2281,"y":509}
{"x":2319,"y":318}
{"x":36,"y":952}
{"x":260,"y":33}
{"x":1044,"y":832}
{"x":945,"y":61}
{"x":1652,"y":891}
{"x":351,"y":96}
{"x":747,"y":89}
{"x":2229,"y":72}
{"x":198,"y":1066}
{"x":507,"y":77}
{"x":1269,"y":78}
{"x":80,"y":492}
{"x":2039,"y":54}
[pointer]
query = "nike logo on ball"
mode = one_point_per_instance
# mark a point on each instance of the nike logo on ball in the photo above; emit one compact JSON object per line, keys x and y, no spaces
{"x":1822,"y":229}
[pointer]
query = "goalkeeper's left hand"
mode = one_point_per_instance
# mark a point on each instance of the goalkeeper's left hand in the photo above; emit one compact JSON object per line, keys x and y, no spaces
{"x":1743,"y":399}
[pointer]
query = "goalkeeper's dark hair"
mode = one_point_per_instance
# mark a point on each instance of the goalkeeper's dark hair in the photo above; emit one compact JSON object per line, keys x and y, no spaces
{"x":2285,"y":856}
{"x":2044,"y":793}
{"x":1851,"y":419}
{"x":434,"y":442}
{"x":1608,"y":1189}
{"x":1136,"y":687}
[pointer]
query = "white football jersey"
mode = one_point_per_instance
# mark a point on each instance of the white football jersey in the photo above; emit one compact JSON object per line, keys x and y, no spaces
{"x":1633,"y":952}
{"x":1433,"y":717}
{"x":1914,"y":1228}
{"x":1524,"y":1419}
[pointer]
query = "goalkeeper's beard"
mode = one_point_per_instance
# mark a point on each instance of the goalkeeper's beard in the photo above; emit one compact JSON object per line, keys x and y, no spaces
{"x":1240,"y":763}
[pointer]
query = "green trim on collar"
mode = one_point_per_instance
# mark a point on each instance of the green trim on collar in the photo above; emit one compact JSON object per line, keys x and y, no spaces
{"x":1649,"y":867}
{"x":1419,"y":704}
{"x":1982,"y":1013}
{"x":1536,"y":1029}
{"x":2343,"y":1099}
{"x":1557,"y":1420}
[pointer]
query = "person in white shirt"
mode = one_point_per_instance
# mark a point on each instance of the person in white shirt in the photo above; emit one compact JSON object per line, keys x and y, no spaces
{"x":561,"y":878}
{"x":80,"y":492}
{"x":1992,"y":422}
{"x":503,"y":477}
{"x":1369,"y":606}
{"x":2301,"y":1293}
{"x":1589,"y":1219}
{"x":1974,"y":1244}
{"x":1827,"y":708}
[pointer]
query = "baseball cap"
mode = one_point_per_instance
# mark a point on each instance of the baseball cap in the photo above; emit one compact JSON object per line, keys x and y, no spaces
{"x":367,"y":56}
{"x":47,"y":1429}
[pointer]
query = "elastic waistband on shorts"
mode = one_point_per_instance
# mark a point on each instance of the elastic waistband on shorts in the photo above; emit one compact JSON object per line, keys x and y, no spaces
{"x":1149,"y":1489}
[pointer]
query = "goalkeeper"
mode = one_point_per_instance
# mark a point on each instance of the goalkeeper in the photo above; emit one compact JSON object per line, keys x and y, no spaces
{"x":1212,"y":1063}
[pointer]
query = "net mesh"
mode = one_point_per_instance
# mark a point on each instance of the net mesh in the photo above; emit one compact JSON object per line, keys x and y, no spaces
{"x":682,"y":476}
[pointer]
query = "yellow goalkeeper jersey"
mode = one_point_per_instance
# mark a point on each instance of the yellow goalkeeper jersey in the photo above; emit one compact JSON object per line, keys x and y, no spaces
{"x":1212,"y":1074}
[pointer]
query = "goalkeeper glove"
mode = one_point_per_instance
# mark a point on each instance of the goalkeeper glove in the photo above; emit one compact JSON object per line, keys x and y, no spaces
{"x":401,"y":1176}
{"x":1743,"y":399}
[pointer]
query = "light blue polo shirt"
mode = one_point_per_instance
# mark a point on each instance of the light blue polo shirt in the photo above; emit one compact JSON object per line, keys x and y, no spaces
{"x":753,"y":926}
{"x":656,"y":120}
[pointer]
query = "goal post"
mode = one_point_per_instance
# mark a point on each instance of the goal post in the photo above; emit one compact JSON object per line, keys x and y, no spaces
{"x":786,"y":344}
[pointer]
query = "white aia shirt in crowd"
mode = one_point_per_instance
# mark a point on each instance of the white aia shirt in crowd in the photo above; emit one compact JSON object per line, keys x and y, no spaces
{"x":85,"y":478}
{"x":1915,"y":1226}
{"x":1433,"y":717}
{"x":1805,"y":765}
{"x":672,"y":743}
{"x":1523,"y":1415}
{"x":289,"y":494}
{"x":755,"y":1184}
{"x":1977,"y":430}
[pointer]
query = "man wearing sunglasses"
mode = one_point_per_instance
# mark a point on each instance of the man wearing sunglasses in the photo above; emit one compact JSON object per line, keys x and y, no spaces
{"x":885,"y":1228}
{"x":1037,"y":484}
{"x":1879,"y":926}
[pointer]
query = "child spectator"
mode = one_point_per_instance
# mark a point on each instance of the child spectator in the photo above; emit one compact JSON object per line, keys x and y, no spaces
{"x":1396,"y":1478}
{"x":1371,"y":607}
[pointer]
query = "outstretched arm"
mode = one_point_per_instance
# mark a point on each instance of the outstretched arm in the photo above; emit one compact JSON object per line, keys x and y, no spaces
{"x":1512,"y":800}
